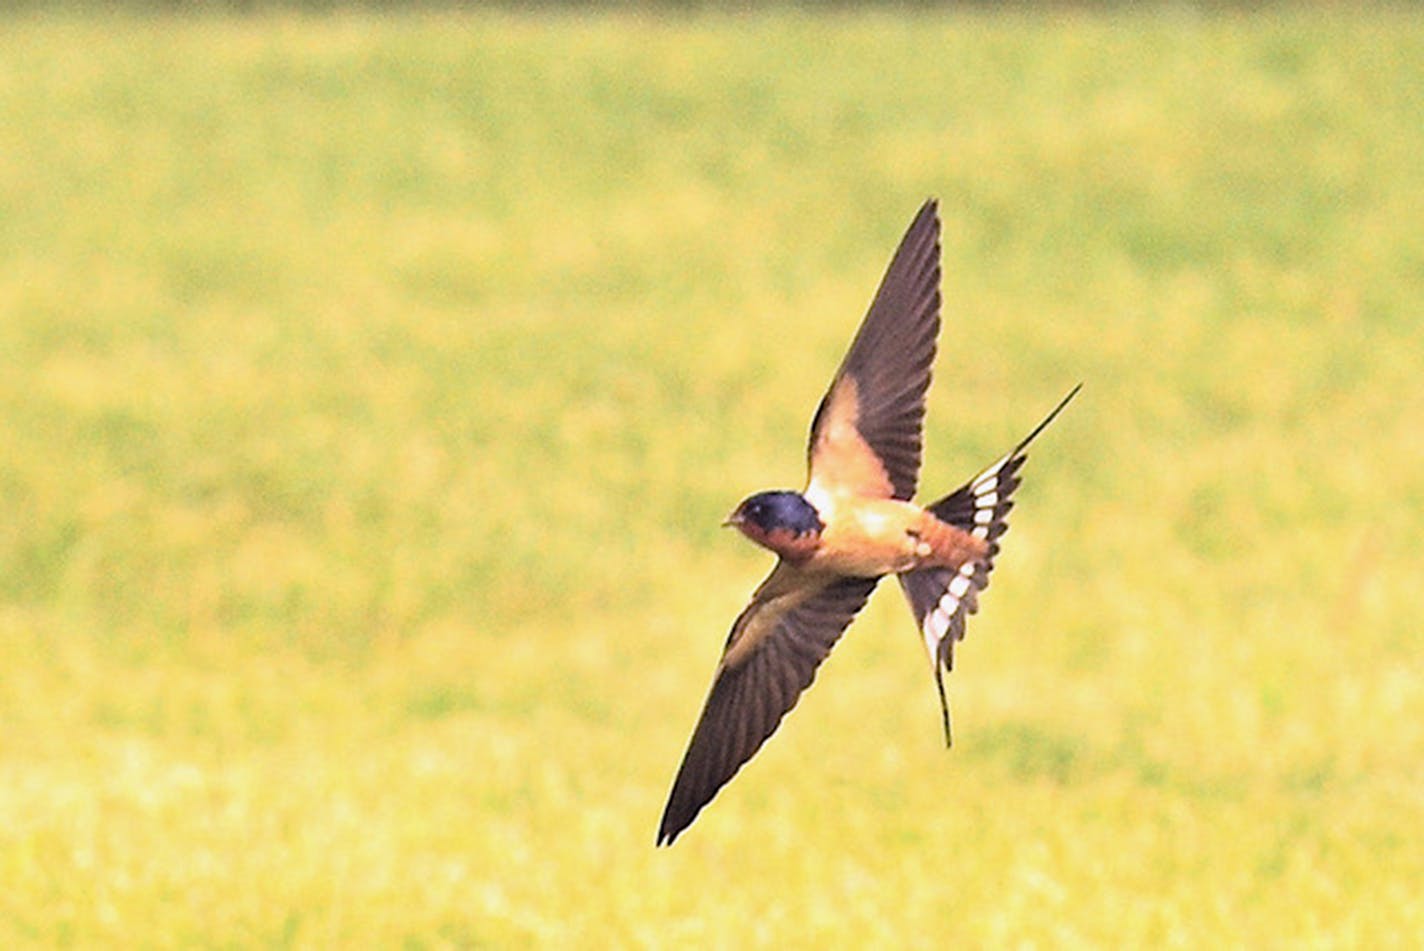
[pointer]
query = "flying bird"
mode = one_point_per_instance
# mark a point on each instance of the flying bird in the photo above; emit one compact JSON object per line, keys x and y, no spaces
{"x":853,"y":524}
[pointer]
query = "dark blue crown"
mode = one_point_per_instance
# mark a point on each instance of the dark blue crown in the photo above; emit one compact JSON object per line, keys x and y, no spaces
{"x":781,"y":509}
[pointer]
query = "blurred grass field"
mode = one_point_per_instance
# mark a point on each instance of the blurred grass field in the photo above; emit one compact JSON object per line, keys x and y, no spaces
{"x":371,"y":388}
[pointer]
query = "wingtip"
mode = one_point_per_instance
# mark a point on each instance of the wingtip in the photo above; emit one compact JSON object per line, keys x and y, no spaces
{"x":929,"y":210}
{"x":671,"y":827}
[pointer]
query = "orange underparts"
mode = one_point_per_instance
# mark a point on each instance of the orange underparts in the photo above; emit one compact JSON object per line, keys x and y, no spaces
{"x":788,"y":544}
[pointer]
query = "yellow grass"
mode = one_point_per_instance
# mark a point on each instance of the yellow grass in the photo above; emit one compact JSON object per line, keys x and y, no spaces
{"x":371,"y":387}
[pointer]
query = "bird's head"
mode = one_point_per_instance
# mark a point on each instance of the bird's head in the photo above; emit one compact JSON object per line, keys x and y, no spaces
{"x":782,"y":521}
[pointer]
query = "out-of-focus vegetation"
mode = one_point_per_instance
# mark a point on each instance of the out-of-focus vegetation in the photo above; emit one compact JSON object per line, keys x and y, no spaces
{"x":371,"y":388}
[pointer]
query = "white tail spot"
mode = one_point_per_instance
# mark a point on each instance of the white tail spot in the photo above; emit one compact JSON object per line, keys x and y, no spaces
{"x":936,"y":624}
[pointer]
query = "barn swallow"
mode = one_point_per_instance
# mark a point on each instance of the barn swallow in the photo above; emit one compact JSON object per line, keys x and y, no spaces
{"x":853,"y":524}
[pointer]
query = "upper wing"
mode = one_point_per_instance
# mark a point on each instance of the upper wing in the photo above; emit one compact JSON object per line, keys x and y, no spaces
{"x":771,"y":656}
{"x":866,"y":435}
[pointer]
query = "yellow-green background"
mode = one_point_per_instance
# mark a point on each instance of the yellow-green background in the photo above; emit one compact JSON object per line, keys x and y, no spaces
{"x":371,"y":387}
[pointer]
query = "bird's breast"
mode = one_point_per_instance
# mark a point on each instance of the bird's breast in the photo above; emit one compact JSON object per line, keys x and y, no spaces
{"x":868,"y":537}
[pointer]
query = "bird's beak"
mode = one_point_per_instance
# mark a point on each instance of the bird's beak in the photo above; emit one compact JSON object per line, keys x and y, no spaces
{"x":733,"y":520}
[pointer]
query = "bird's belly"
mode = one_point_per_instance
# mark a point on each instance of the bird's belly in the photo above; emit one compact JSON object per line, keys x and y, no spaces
{"x":869,"y":538}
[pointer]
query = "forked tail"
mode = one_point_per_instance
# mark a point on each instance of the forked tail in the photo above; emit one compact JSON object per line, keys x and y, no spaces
{"x":941,"y":598}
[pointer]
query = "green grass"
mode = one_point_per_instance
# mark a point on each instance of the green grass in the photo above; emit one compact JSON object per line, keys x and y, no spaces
{"x":371,"y":388}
